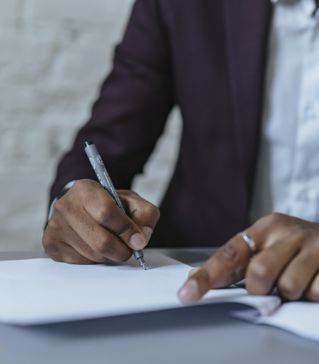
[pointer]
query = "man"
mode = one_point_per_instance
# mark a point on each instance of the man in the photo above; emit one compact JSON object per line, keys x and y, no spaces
{"x":245,"y":75}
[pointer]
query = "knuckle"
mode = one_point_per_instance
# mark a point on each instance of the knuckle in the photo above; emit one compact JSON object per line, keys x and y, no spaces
{"x":274,"y":218}
{"x":81,"y":185}
{"x":104,"y":213}
{"x":288,"y":288}
{"x":82,"y":188}
{"x":148,"y":214}
{"x":105,"y":245}
{"x":258,"y":270}
{"x":228,"y":252}
{"x":299,"y":235}
{"x":258,"y":279}
{"x":62,"y":207}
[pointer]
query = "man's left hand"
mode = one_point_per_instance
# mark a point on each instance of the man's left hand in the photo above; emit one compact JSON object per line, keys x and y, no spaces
{"x":287,"y":257}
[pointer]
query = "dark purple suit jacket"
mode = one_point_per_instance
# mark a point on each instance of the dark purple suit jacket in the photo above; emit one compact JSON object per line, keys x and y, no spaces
{"x":208,"y":57}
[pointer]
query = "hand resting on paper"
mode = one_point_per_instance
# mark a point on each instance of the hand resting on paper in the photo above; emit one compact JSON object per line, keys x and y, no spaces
{"x":87,"y":226}
{"x":287,"y":257}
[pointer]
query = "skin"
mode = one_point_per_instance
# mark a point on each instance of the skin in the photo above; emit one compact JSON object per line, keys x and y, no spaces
{"x":87,"y":227}
{"x":287,"y":258}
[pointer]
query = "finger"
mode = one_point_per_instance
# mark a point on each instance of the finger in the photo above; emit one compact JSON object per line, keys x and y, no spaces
{"x":265,"y":267}
{"x":81,"y":247}
{"x":59,"y":230}
{"x":226,"y":266}
{"x":101,"y":240}
{"x":193,"y":271}
{"x":62,"y":252}
{"x":298,"y":275}
{"x":142,"y":212}
{"x":313,"y":291}
{"x":104,"y":210}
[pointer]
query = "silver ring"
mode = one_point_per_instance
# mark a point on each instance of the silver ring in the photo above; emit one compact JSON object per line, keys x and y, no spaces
{"x":249,"y":241}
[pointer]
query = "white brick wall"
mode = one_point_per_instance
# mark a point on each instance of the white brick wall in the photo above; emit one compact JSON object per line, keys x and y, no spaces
{"x":53,"y":56}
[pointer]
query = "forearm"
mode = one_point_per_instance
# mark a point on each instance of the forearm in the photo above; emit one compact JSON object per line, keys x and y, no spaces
{"x":132,"y":108}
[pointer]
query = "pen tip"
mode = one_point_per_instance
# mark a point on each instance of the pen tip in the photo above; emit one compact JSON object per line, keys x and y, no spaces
{"x":142,"y":263}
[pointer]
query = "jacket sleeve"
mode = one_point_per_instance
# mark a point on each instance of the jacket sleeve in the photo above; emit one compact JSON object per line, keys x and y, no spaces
{"x":134,"y":102}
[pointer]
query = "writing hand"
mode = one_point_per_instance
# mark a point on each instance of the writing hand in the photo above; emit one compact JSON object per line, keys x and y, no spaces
{"x":87,"y":226}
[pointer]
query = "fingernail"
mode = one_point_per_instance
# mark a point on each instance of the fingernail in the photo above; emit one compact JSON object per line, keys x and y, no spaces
{"x":147,"y":232}
{"x":189,"y":292}
{"x":137,"y":241}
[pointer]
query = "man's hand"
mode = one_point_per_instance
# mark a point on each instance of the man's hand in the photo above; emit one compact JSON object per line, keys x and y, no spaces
{"x":287,"y":258}
{"x":87,"y":226}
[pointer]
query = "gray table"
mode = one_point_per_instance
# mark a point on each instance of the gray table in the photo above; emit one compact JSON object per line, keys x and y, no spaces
{"x":190,"y":335}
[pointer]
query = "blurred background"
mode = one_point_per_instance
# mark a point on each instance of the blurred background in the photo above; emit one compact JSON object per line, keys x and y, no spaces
{"x":54,"y":55}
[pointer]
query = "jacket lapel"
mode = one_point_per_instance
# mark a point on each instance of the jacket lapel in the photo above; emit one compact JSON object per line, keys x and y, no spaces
{"x":247,"y":28}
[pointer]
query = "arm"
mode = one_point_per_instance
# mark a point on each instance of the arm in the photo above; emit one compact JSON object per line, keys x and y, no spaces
{"x":133,"y":105}
{"x":85,"y":225}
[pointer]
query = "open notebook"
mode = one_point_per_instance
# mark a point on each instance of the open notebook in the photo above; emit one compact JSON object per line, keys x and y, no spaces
{"x":39,"y":291}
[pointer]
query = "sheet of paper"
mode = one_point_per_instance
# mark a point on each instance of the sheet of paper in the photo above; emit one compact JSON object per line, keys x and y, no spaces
{"x":301,"y":318}
{"x":41,"y":291}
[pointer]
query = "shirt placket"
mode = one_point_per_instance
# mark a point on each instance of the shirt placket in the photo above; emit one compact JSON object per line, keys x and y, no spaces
{"x":304,"y":189}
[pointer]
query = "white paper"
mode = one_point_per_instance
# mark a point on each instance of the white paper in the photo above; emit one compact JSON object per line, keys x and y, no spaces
{"x":38,"y":291}
{"x":301,"y":318}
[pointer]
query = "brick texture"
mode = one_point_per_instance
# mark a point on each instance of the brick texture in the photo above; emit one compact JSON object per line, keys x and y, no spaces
{"x":51,"y":65}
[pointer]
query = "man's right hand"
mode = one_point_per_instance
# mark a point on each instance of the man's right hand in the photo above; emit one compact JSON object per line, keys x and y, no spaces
{"x":88,"y":227}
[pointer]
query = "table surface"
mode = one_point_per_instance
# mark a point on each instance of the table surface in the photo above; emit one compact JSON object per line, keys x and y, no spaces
{"x":201,"y":335}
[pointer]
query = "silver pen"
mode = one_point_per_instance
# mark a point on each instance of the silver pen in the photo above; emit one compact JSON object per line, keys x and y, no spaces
{"x":105,"y":180}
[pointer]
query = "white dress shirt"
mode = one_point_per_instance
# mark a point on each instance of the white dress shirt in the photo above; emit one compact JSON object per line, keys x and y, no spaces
{"x":287,"y":178}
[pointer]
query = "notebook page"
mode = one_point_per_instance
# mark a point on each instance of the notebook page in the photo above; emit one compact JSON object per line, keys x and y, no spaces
{"x":301,"y":318}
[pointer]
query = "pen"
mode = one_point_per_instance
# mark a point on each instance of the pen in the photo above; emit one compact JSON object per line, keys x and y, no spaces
{"x":105,"y":180}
